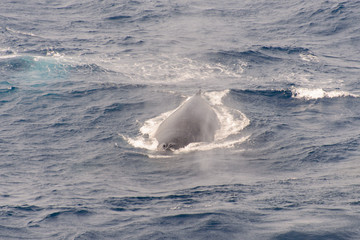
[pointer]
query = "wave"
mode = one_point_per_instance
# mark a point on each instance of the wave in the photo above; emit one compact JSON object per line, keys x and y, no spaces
{"x":15,"y":232}
{"x":318,"y":93}
{"x":339,"y":235}
{"x":6,"y":87}
{"x":264,"y":55}
{"x":249,"y":56}
{"x":68,"y":213}
{"x":298,"y":93}
{"x":118,"y":17}
{"x":304,"y":54}
{"x":195,"y":195}
{"x":323,"y":18}
{"x":30,"y":34}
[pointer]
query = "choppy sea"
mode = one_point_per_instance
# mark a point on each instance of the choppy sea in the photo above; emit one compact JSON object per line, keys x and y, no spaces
{"x":85,"y":83}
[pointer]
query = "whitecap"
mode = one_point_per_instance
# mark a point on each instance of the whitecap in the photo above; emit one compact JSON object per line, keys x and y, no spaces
{"x":309,"y":57}
{"x":317,"y":93}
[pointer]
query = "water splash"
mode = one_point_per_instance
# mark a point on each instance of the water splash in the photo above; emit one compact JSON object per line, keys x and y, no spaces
{"x":232,"y":122}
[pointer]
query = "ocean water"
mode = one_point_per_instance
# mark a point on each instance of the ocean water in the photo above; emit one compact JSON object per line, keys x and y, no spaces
{"x":84,"y":85}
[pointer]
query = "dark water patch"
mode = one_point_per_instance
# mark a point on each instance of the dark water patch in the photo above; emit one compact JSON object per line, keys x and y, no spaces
{"x":154,"y":12}
{"x":296,"y":235}
{"x":206,"y":225}
{"x":7,"y":89}
{"x":106,"y":234}
{"x":70,"y":6}
{"x":85,"y":93}
{"x":267,"y":61}
{"x":326,"y":19}
{"x":66,"y":214}
{"x":28,"y":208}
{"x":151,"y":15}
{"x":20,"y":213}
{"x":281,"y":94}
{"x":286,"y":50}
{"x":292,"y":96}
{"x":89,"y":235}
{"x":338,"y":9}
{"x":102,"y":88}
{"x":250,"y":56}
{"x":193,"y":217}
{"x":60,"y":97}
{"x":118,"y":17}
{"x":237,"y":13}
{"x":289,"y":54}
{"x":142,"y":203}
{"x":356,"y":203}
{"x":7,"y":52}
{"x":52,"y":99}
{"x":331,"y":153}
{"x":6,"y":212}
{"x":89,"y":68}
{"x":189,"y":197}
{"x":128,"y":41}
{"x":7,"y":232}
{"x":264,"y":98}
{"x":116,"y":107}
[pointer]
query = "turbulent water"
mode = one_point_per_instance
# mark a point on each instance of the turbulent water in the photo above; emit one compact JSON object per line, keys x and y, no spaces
{"x":84,"y":85}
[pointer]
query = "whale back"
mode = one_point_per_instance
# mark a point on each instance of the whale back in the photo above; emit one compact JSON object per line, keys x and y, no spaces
{"x":194,"y":121}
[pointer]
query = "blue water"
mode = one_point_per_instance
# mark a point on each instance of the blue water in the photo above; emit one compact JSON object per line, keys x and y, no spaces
{"x":83,"y":85}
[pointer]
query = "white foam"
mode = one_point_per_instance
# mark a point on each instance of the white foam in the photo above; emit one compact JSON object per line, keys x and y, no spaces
{"x":316,"y":93}
{"x":171,"y":69}
{"x":308,"y":57}
{"x":146,"y":139}
{"x":232,"y":122}
{"x":202,"y":146}
{"x":141,"y":142}
{"x":8,"y":56}
{"x":20,"y":32}
{"x":51,"y":57}
{"x":215,"y":98}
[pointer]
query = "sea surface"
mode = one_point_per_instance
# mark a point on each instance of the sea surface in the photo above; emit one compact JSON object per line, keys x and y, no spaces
{"x":85,"y":83}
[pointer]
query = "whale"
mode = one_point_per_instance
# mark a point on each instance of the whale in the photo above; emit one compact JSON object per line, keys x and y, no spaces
{"x":193,"y":121}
